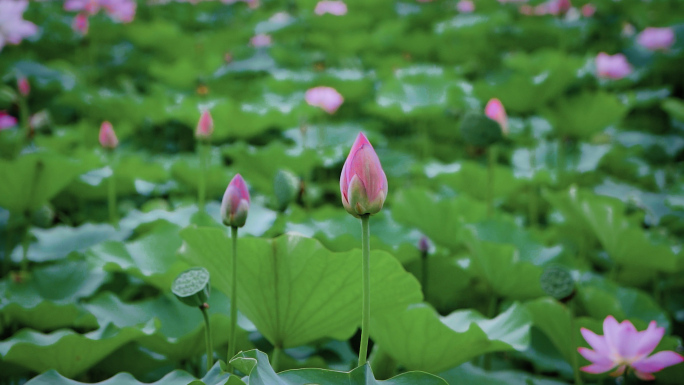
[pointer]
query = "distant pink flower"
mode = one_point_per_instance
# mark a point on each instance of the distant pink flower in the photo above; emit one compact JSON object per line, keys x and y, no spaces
{"x":495,"y":111}
{"x":553,"y":7}
{"x":80,"y":24}
{"x":205,"y":126}
{"x":337,"y":8}
{"x":656,"y":38}
{"x":107,"y":136}
{"x":261,"y":40}
{"x":623,"y":346}
{"x":526,"y":10}
{"x":465,"y":6}
{"x":7,"y":121}
{"x":326,"y":98}
{"x":90,"y":7}
{"x":13,"y":28}
{"x":23,"y":86}
{"x":588,"y":10}
{"x":612,"y":66}
{"x":363,"y":183}
{"x":512,"y":1}
{"x":118,"y":10}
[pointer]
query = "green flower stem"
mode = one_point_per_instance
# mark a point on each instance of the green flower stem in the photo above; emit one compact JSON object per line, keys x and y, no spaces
{"x":201,"y":190}
{"x":561,"y":160}
{"x":573,"y":342}
{"x":275,"y":356}
{"x":207,"y":334}
{"x":424,"y":273}
{"x":491,"y":313}
{"x":533,"y":206}
{"x":25,"y":246}
{"x":365,"y":274}
{"x":24,"y":118}
{"x":492,"y":153}
{"x":111,"y":193}
{"x":233,"y":299}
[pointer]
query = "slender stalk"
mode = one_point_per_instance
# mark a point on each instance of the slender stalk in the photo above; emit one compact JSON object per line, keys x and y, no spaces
{"x":275,"y":364}
{"x":201,"y":191}
{"x":233,"y":299}
{"x":6,"y":260}
{"x":533,"y":206}
{"x":491,"y":313}
{"x":424,"y":273}
{"x":560,"y":160}
{"x":24,"y":118}
{"x":492,"y":155}
{"x":111,"y":197}
{"x":365,"y":274}
{"x":25,"y":247}
{"x":573,"y":342}
{"x":207,"y":335}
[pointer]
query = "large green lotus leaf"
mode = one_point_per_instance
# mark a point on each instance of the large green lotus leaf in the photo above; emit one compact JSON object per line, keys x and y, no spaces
{"x":151,"y":258}
{"x":448,"y":284}
{"x":501,"y":266}
{"x":543,"y":159}
{"x":186,"y":170}
{"x":468,"y":374}
{"x":655,"y":205}
{"x":59,"y":241}
{"x":216,"y":376}
{"x":67,"y":352}
{"x":598,"y":111}
{"x":181,"y":329}
{"x":441,"y":220}
{"x":268,"y":110}
{"x":259,"y":372}
{"x":419,"y":339}
{"x":674,"y":107}
{"x":473,"y":179}
{"x":33,"y":179}
{"x":293,"y":289}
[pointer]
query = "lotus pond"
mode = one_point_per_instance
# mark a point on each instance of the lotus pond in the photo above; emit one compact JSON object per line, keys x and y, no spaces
{"x":361,"y":192}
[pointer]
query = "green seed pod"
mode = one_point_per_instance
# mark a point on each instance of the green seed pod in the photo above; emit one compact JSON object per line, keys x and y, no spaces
{"x":480,"y":131}
{"x":557,"y":282}
{"x":43,"y":216}
{"x":286,"y":186}
{"x":192,"y":286}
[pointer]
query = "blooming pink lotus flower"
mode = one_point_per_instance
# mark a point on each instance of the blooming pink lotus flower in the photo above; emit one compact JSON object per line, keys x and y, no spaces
{"x":107,"y":136}
{"x":323,"y":97}
{"x":337,"y":8}
{"x":7,"y":121}
{"x":363,"y":183}
{"x":13,"y":28}
{"x":495,"y":111}
{"x":261,"y":40}
{"x":465,"y":6}
{"x":588,"y":10}
{"x":80,"y":24}
{"x":623,"y":346}
{"x":656,"y":38}
{"x":235,"y":203}
{"x":205,"y":126}
{"x":612,"y":66}
{"x":23,"y":86}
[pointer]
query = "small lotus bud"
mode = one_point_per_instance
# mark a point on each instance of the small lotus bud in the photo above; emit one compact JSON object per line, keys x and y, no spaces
{"x":235,"y":203}
{"x":80,"y":24}
{"x":557,"y":282}
{"x":612,"y":66}
{"x":326,"y":98}
{"x":363,"y":183}
{"x":424,"y":244}
{"x":495,"y":111}
{"x":107,"y":137}
{"x":23,"y":86}
{"x":205,"y":126}
{"x":286,"y":186}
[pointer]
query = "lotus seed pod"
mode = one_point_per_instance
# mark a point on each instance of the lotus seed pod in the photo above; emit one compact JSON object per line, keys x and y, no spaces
{"x":44,"y":216}
{"x":192,"y":287}
{"x":557,"y":282}
{"x":286,"y":186}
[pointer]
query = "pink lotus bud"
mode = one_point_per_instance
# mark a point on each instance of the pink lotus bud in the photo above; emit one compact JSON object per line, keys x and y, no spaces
{"x":612,"y":66}
{"x":588,"y":10}
{"x":326,"y":98}
{"x":495,"y":111}
{"x":205,"y":126}
{"x":337,"y":8}
{"x":235,"y":203}
{"x":656,"y":38}
{"x":621,"y":347}
{"x":363,"y":183}
{"x":261,"y":40}
{"x":80,"y":24}
{"x":424,"y":244}
{"x":23,"y":86}
{"x":7,"y":121}
{"x":107,"y":136}
{"x":465,"y":6}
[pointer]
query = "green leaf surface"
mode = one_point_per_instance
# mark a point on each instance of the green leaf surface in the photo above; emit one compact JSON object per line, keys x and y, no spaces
{"x":468,"y":374}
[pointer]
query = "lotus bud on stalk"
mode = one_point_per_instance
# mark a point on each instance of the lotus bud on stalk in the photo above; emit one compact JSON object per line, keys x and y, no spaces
{"x":81,"y":24}
{"x":109,"y":141}
{"x":23,"y":86}
{"x":107,"y":136}
{"x":495,"y":111}
{"x":363,"y":186}
{"x":203,"y":132}
{"x":424,"y":248}
{"x":234,"y":209}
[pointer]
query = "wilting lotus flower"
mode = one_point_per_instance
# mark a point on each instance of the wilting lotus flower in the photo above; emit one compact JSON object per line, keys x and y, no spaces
{"x":261,"y":40}
{"x":588,"y":10}
{"x":465,"y":6}
{"x":363,"y":183}
{"x":235,"y":203}
{"x":326,"y":98}
{"x":337,"y":8}
{"x":495,"y":111}
{"x":612,"y":67}
{"x":13,"y":28}
{"x":23,"y":86}
{"x":107,"y":136}
{"x":7,"y":121}
{"x":80,"y":24}
{"x":205,"y":126}
{"x":656,"y":38}
{"x":623,"y":346}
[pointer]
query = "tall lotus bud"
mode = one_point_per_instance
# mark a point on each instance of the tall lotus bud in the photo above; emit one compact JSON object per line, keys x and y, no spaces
{"x":205,"y":126}
{"x":326,"y":98}
{"x":235,"y":203}
{"x":23,"y":86}
{"x":495,"y":111}
{"x":107,"y":137}
{"x":80,"y":24}
{"x":363,"y":183}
